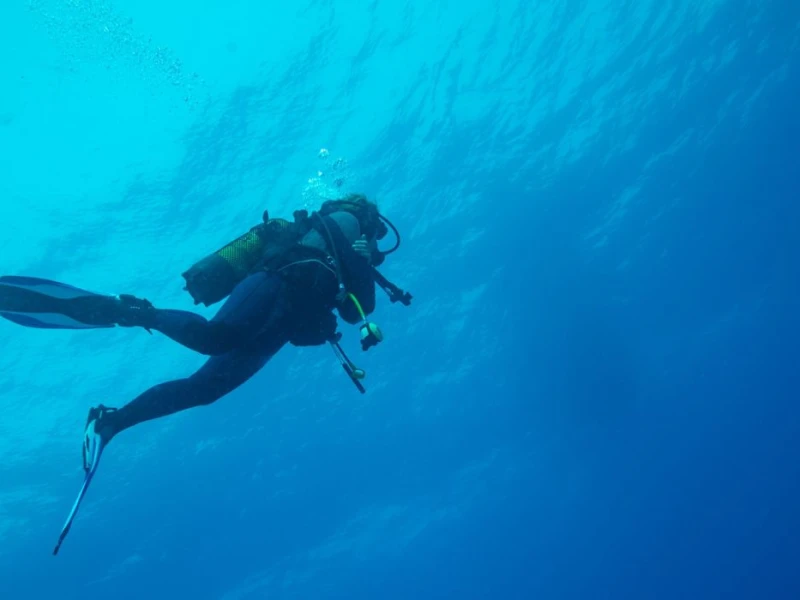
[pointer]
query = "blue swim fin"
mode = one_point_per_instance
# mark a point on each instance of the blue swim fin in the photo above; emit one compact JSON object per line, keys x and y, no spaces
{"x":84,"y":488}
{"x":46,"y":304}
{"x":93,"y":445}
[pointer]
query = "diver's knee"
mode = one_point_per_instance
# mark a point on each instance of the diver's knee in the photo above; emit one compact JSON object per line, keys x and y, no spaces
{"x":207,"y":399}
{"x":204,"y":393}
{"x":203,"y":389}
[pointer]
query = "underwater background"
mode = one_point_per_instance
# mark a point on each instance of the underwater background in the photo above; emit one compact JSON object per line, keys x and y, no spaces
{"x":595,"y":391}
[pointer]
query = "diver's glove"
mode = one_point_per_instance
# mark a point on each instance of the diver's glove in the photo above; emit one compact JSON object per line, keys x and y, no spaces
{"x":363,"y":249}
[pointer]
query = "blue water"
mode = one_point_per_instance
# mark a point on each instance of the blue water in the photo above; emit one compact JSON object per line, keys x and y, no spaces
{"x":594,"y":394}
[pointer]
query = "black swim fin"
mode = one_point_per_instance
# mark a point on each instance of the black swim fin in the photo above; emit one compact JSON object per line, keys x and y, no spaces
{"x":46,"y":304}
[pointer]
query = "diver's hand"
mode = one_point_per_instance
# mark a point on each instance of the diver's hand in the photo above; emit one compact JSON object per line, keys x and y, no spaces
{"x":362,"y":249}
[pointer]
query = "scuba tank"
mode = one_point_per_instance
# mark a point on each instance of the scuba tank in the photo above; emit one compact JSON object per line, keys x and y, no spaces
{"x":212,"y":278}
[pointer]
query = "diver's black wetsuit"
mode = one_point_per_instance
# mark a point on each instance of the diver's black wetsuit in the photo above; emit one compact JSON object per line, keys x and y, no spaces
{"x":261,"y":315}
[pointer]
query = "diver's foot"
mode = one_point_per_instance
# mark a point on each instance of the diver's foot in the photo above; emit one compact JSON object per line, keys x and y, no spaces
{"x":96,"y":435}
{"x":134,"y":312}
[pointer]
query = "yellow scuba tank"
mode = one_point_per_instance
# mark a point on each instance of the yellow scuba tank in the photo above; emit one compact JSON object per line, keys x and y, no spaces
{"x":214,"y":277}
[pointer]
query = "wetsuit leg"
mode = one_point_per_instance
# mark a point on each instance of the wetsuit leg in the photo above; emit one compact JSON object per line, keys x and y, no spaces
{"x":256,"y":323}
{"x":216,"y":378}
{"x":252,"y":304}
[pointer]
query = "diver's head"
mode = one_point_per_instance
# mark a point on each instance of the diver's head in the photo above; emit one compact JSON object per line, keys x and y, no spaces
{"x":373,"y":225}
{"x":362,"y":209}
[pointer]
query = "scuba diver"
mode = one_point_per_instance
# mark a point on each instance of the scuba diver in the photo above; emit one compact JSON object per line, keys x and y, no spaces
{"x":283,"y":280}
